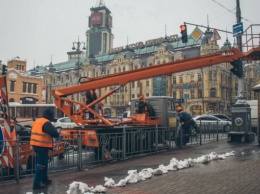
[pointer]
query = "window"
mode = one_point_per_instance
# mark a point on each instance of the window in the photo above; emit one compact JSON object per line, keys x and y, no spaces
{"x":29,"y":88}
{"x":133,"y":84}
{"x":181,"y":78}
{"x":147,"y":83}
{"x":104,"y":43}
{"x":212,"y":92}
{"x":214,"y":75}
{"x":12,"y":84}
{"x":210,"y":75}
{"x":199,"y":77}
{"x":192,"y":77}
{"x":192,"y":93}
{"x":138,"y":83}
{"x":200,"y":93}
{"x":174,"y":94}
{"x":34,"y":88}
{"x":181,"y":94}
{"x":174,"y":79}
{"x":24,"y":87}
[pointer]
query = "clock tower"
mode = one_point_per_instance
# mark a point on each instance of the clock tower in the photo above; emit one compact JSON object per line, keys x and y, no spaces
{"x":99,"y":38}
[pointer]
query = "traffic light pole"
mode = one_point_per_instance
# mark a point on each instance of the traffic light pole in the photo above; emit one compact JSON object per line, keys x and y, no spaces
{"x":241,"y":111}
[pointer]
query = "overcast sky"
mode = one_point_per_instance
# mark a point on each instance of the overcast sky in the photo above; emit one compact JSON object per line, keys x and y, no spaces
{"x":35,"y":30}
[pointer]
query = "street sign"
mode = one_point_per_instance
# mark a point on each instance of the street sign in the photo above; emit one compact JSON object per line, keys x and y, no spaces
{"x":238,"y":29}
{"x":215,"y":36}
{"x":196,"y":34}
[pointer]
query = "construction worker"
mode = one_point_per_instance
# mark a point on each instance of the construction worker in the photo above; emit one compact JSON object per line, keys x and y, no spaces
{"x":186,"y":121}
{"x":91,"y":96}
{"x":42,"y":136}
{"x":142,"y":105}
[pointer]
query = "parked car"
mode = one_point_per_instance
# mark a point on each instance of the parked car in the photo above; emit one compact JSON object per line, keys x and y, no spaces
{"x":213,"y":123}
{"x":222,"y":117}
{"x":64,"y":122}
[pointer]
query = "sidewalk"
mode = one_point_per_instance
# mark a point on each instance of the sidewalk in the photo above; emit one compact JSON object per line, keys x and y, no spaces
{"x":236,"y":174}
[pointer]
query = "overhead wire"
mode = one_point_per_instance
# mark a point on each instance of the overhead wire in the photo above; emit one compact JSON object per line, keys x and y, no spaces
{"x":232,"y":11}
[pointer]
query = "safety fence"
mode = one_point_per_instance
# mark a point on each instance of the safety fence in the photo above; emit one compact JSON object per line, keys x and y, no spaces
{"x":114,"y":145}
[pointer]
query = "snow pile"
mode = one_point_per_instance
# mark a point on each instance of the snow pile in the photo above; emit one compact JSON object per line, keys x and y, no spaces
{"x":134,"y":176}
{"x":83,"y":188}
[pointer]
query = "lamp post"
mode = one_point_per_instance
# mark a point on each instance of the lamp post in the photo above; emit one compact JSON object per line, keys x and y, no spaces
{"x":78,"y":51}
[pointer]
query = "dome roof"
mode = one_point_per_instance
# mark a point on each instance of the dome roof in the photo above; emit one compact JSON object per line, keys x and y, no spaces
{"x":226,"y":46}
{"x":206,"y":37}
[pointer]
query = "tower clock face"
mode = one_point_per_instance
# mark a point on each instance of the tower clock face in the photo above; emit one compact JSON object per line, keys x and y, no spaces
{"x":96,"y":18}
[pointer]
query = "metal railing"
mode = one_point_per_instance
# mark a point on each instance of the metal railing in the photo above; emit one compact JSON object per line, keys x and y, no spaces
{"x":121,"y":144}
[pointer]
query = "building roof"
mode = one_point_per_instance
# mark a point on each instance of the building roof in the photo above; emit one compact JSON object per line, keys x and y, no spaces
{"x":107,"y":57}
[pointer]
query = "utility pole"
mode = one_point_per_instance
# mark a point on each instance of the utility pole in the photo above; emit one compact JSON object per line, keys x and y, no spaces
{"x":241,"y":111}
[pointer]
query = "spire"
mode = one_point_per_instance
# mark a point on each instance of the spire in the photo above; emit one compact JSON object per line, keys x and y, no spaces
{"x":100,"y":3}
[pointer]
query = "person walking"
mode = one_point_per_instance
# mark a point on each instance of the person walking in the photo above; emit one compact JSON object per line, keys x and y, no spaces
{"x":91,"y":96}
{"x":41,"y":140}
{"x":186,"y":121}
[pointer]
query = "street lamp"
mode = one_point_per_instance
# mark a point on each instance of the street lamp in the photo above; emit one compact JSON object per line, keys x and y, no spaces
{"x":78,"y":50}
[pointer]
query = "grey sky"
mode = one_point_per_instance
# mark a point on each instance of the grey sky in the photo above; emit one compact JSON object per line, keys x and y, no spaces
{"x":36,"y":29}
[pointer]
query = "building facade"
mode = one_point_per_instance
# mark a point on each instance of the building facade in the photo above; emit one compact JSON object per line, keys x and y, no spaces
{"x":22,"y":88}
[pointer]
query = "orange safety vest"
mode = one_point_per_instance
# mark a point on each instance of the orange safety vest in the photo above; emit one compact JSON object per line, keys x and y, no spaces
{"x":38,"y":137}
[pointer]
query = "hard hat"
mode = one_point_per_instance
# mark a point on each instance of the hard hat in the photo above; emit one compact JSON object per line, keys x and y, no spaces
{"x":179,"y":109}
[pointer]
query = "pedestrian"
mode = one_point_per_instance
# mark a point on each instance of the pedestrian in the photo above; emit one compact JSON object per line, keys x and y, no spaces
{"x":186,"y":121}
{"x":41,"y":140}
{"x":91,"y":96}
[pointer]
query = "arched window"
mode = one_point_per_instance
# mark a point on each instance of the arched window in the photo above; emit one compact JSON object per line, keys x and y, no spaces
{"x":213,"y":93}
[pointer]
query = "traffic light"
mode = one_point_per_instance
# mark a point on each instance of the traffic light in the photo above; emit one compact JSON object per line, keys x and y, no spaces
{"x":237,"y":68}
{"x":184,"y":36}
{"x":4,"y":69}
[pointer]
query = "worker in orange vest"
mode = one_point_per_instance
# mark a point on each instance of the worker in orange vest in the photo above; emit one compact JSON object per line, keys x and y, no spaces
{"x":91,"y":96}
{"x":42,"y":136}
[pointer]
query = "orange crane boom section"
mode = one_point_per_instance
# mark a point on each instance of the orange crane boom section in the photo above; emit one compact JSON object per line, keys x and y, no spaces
{"x":157,"y":70}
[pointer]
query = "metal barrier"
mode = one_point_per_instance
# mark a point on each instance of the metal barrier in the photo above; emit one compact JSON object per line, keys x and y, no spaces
{"x":113,"y":146}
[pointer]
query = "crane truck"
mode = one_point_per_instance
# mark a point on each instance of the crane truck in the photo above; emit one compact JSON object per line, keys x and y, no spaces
{"x":164,"y":108}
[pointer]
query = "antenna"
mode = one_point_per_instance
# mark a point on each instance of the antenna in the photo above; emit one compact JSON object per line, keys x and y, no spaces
{"x":100,"y":3}
{"x":208,"y":21}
